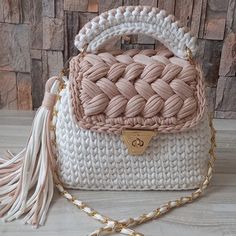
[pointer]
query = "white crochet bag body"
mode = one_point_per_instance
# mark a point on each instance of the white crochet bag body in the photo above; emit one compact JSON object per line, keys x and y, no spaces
{"x":121,"y":120}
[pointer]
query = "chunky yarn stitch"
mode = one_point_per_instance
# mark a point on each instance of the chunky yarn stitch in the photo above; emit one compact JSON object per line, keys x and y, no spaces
{"x":136,"y":20}
{"x":94,"y":160}
{"x":136,"y":89}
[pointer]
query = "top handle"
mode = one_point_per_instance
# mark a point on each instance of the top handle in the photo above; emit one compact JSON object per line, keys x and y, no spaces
{"x":136,"y":20}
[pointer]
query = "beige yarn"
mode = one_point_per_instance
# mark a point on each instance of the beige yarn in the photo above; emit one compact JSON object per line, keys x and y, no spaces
{"x":140,"y":89}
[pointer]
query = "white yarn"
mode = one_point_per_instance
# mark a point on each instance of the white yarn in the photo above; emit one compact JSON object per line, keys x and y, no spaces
{"x":136,"y":20}
{"x":30,"y":189}
{"x":91,"y":160}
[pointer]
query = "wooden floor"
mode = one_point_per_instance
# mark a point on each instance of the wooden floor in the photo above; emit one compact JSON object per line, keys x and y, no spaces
{"x":213,"y":215}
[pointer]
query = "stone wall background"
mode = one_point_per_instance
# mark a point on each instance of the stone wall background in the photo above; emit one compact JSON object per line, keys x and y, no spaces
{"x":36,"y":38}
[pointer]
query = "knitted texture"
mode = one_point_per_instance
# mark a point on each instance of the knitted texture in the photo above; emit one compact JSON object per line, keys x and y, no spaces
{"x":136,"y":89}
{"x":93,"y":160}
{"x":136,"y":20}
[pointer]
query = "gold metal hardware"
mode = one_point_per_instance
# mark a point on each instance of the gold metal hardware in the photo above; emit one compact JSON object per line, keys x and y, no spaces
{"x":83,"y":50}
{"x":65,"y":70}
{"x":126,"y":39}
{"x":189,"y":55}
{"x":137,"y":140}
{"x":137,"y":234}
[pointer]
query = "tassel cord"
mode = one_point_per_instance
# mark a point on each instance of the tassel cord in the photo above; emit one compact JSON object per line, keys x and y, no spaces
{"x":26,"y":179}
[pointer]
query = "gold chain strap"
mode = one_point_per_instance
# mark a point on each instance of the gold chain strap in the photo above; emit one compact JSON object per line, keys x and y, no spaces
{"x":123,"y":226}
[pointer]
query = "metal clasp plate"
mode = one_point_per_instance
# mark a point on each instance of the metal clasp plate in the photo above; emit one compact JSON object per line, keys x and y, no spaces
{"x":137,"y":140}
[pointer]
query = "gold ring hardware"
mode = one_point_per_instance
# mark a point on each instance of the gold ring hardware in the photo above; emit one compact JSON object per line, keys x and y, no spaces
{"x":65,"y":70}
{"x":126,"y":39}
{"x":83,"y":50}
{"x":189,"y":55}
{"x":118,"y":226}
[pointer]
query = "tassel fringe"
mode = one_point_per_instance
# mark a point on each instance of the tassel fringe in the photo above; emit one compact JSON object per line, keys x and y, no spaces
{"x":26,"y":179}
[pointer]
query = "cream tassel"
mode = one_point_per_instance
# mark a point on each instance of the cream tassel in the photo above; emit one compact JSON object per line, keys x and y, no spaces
{"x":26,"y":179}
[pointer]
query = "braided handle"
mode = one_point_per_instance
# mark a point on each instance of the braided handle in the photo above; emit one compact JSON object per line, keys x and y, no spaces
{"x":136,"y":20}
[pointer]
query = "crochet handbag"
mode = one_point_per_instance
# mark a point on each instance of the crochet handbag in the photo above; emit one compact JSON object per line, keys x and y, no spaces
{"x":121,"y":120}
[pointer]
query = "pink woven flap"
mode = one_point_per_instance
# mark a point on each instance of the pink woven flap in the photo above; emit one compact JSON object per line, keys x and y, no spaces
{"x":136,"y":89}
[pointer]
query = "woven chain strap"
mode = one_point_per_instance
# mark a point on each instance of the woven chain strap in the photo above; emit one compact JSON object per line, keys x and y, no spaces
{"x":123,"y":226}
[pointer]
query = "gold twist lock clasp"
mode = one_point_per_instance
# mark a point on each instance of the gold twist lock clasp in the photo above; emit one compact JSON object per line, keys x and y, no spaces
{"x":137,"y":140}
